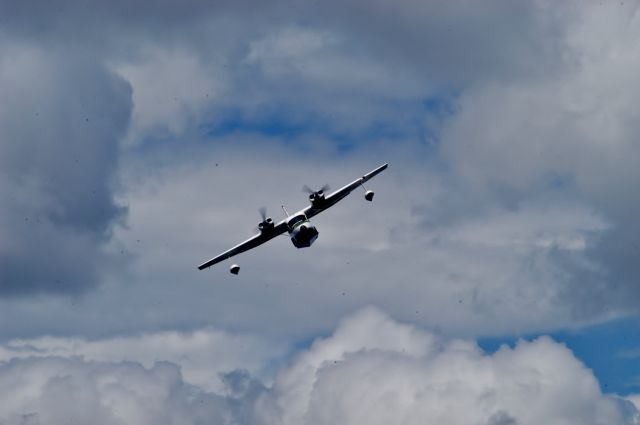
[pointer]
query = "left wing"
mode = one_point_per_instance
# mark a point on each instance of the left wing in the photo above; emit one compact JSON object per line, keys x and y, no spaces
{"x":341,"y":193}
{"x":252,"y":242}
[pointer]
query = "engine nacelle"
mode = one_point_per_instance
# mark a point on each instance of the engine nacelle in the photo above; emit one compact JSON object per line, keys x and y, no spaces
{"x":265,"y":225}
{"x":234,"y":269}
{"x":316,"y":198}
{"x":368,"y":195}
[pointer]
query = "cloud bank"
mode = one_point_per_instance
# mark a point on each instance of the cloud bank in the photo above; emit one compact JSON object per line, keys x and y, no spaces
{"x":372,"y":369}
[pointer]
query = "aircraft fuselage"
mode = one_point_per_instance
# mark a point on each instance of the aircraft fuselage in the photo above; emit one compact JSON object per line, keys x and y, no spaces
{"x":301,"y":231}
{"x":304,"y":235}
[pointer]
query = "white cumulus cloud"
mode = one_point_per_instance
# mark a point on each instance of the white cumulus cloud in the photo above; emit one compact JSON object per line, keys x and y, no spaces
{"x":203,"y":355}
{"x":371,"y":370}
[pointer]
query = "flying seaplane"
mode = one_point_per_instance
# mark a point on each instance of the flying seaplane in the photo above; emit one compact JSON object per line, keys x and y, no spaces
{"x":300,"y":229}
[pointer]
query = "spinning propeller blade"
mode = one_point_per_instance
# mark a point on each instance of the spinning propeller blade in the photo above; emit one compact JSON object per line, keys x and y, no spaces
{"x":308,"y":190}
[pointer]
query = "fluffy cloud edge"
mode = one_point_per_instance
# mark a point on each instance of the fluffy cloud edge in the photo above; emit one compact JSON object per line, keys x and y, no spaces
{"x":372,"y":369}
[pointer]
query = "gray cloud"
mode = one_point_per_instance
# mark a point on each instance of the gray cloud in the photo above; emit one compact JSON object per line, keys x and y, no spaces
{"x":491,"y":272}
{"x":502,"y":418}
{"x":63,"y":114}
{"x":458,"y":43}
{"x":354,"y":77}
{"x":567,"y":137}
{"x":343,"y":68}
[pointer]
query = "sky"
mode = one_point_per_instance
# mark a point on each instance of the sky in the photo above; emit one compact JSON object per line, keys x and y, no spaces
{"x":492,"y":281}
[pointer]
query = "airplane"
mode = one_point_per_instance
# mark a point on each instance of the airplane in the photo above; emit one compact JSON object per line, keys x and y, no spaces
{"x":300,"y":229}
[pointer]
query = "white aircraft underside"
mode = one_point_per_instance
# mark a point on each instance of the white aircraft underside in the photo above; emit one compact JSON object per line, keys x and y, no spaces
{"x":300,"y":229}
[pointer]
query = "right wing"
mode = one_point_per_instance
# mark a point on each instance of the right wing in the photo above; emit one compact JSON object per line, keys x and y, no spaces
{"x":341,"y":193}
{"x":252,"y":242}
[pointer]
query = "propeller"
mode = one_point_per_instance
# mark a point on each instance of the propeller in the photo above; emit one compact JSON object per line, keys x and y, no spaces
{"x":267,"y":222}
{"x":308,"y":190}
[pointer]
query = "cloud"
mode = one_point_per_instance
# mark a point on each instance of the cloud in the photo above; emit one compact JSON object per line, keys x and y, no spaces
{"x":509,"y":206}
{"x":62,"y":115}
{"x":343,"y":68}
{"x":635,"y":399}
{"x":520,"y":232}
{"x":203,"y":355}
{"x":493,"y":272}
{"x":372,"y":369}
{"x":56,"y":390}
{"x":170,"y":89}
{"x":457,"y":43}
{"x":567,"y":136}
{"x":447,"y":91}
{"x":375,"y":370}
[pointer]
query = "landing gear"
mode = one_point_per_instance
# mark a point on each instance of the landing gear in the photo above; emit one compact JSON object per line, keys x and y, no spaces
{"x":234,"y":269}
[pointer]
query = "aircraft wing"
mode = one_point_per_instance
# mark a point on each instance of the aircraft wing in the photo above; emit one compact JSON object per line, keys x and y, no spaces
{"x":250,"y":243}
{"x":341,"y":193}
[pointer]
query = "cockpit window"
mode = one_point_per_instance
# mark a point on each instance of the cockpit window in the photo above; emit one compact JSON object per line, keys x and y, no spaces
{"x":296,"y":220}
